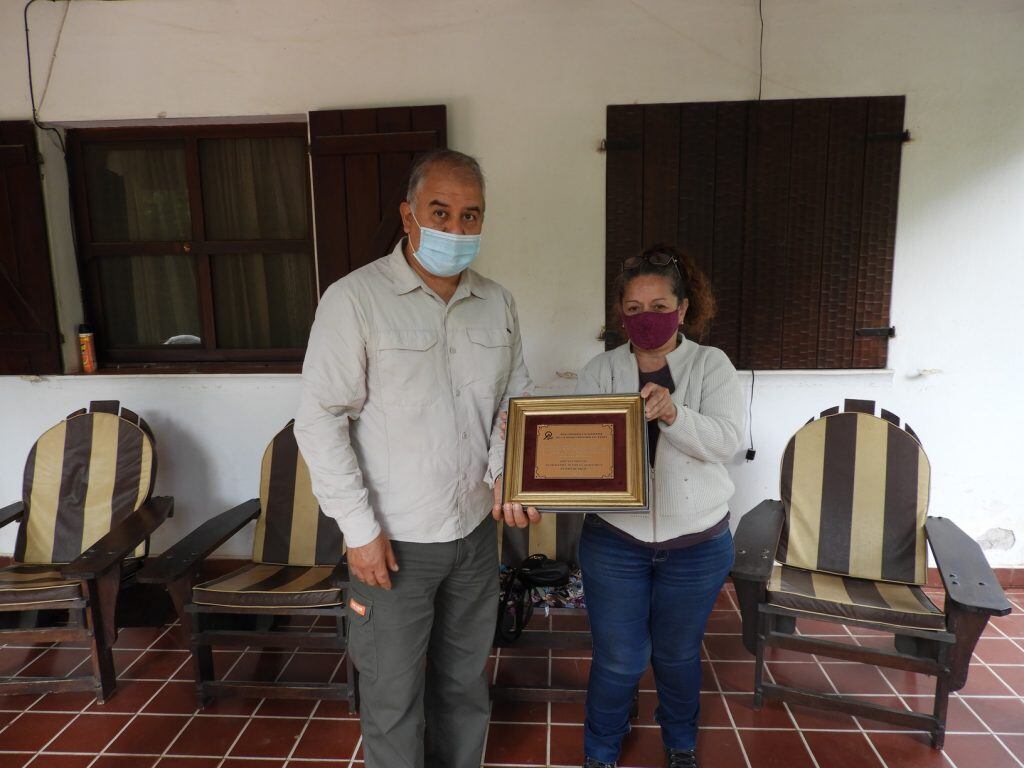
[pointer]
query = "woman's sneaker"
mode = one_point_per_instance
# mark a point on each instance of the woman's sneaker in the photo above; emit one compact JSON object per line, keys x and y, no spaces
{"x":592,"y":763}
{"x":681,"y":758}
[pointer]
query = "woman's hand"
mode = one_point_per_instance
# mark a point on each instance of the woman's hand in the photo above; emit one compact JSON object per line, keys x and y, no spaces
{"x":513,"y":514}
{"x":504,"y":423}
{"x":658,"y":403}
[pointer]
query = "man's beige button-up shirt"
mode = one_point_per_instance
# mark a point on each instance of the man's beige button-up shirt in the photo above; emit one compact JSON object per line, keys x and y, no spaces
{"x":398,"y":419}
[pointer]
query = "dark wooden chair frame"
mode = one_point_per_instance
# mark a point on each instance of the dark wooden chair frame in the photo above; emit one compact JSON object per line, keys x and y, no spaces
{"x":972,"y":595}
{"x":92,"y":617}
{"x":205,"y":626}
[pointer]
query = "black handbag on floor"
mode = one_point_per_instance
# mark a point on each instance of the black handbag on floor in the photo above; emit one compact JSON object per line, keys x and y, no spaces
{"x":515,"y":608}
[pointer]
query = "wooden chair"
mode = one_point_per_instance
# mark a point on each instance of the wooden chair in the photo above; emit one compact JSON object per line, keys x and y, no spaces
{"x":846,"y":544}
{"x":296,"y":571}
{"x":556,"y":536}
{"x":86,"y":515}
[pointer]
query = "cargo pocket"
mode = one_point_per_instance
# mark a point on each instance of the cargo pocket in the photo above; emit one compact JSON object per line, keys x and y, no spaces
{"x":361,"y":643}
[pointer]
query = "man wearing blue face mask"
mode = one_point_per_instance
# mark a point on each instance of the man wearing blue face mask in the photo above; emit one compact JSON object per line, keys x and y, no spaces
{"x":410,"y":360}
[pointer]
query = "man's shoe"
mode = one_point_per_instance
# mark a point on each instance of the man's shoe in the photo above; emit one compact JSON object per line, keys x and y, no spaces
{"x":592,"y":763}
{"x":681,"y":758}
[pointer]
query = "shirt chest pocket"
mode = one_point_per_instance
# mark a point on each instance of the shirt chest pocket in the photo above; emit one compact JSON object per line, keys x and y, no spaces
{"x":490,"y":359}
{"x":408,"y":367}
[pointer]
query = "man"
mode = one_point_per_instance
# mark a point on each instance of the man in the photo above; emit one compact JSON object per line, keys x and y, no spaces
{"x":409,"y":362}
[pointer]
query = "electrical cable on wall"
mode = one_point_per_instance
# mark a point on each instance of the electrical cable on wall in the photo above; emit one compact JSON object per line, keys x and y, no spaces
{"x":760,"y":49}
{"x":31,"y":84}
{"x":750,"y":419}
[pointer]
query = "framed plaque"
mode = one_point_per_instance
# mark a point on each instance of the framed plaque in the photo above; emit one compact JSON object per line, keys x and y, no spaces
{"x":585,"y":453}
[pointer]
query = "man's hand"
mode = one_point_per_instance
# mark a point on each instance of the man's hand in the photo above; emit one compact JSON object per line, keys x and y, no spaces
{"x":658,"y":403}
{"x":371,"y":562}
{"x":512,"y":514}
{"x":504,"y":423}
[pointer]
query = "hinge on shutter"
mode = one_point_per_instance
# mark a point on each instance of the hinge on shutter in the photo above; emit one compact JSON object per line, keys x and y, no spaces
{"x":901,"y":136}
{"x":889,"y":332}
{"x":617,"y":145}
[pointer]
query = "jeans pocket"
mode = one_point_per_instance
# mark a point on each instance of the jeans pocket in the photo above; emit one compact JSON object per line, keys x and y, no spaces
{"x":362,"y":645}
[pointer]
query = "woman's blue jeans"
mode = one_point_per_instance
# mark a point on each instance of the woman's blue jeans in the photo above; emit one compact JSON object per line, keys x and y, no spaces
{"x":646,"y":606}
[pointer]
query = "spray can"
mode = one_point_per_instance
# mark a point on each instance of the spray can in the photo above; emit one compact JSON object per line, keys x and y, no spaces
{"x":87,"y":348}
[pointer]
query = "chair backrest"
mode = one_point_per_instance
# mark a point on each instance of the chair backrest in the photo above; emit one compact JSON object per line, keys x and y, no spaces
{"x":292,"y":529}
{"x":855,"y":487}
{"x":557,"y":536}
{"x":82,"y":477}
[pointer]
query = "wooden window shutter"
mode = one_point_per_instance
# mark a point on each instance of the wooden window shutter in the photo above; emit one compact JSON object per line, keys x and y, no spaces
{"x":789,"y":206}
{"x":29,"y":337}
{"x":361,"y":160}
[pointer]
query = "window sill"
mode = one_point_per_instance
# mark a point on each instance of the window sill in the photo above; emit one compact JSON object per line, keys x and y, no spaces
{"x":875,"y":372}
{"x":186,"y":369}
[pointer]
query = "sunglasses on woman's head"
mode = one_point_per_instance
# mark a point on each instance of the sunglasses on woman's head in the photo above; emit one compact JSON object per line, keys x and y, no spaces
{"x":655,"y":259}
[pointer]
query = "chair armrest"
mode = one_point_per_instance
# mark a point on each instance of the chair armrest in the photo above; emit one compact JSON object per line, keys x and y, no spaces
{"x":180,"y":559}
{"x":11,"y":512}
{"x":966,"y":574}
{"x":757,"y":541}
{"x":119,"y":542}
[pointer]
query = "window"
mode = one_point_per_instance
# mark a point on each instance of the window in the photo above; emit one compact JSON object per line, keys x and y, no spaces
{"x":789,"y":206}
{"x":196,"y":243}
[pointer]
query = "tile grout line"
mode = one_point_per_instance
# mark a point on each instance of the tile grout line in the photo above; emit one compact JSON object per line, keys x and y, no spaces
{"x":728,"y":711}
{"x":983,"y":721}
{"x":892,"y":687}
{"x":316,"y":706}
{"x":146,"y":703}
{"x":796,"y":726}
{"x":856,"y":720}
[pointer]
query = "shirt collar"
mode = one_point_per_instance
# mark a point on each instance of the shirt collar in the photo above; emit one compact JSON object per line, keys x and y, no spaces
{"x":406,"y":280}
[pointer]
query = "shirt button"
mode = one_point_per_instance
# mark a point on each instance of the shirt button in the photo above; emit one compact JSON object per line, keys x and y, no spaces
{"x":465,"y":435}
{"x":452,"y":350}
{"x":458,"y":393}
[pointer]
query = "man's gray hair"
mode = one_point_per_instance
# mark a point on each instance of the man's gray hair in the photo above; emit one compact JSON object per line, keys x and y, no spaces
{"x":449,"y":159}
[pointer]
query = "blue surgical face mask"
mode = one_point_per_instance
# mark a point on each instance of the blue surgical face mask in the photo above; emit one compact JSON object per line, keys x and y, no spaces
{"x":445,"y":254}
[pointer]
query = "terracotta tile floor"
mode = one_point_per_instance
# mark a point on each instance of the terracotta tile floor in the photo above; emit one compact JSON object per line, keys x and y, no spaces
{"x":152,"y":720}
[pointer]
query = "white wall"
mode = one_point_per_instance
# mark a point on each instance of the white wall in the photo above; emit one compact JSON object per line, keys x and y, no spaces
{"x":526,"y":84}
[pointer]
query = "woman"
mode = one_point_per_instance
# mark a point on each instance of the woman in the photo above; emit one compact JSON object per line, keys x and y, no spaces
{"x":651,"y":579}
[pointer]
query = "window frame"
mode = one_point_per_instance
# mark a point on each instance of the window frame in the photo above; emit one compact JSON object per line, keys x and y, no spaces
{"x":209,"y":358}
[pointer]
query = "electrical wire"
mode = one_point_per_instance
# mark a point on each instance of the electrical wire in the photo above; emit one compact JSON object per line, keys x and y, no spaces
{"x":750,"y":418}
{"x":31,"y":85}
{"x":760,"y":50}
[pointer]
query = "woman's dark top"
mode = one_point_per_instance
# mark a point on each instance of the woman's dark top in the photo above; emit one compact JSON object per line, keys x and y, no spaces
{"x":663,"y":377}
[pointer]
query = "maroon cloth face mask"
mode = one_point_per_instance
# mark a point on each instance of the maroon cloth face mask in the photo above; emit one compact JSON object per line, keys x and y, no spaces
{"x":650,"y":330}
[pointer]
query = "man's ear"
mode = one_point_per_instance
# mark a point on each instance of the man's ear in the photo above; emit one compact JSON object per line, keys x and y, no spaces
{"x":405,"y":210}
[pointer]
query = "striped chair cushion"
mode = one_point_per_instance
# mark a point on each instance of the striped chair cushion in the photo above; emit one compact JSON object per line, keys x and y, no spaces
{"x":264,"y":585}
{"x":856,"y":489}
{"x":557,"y":536}
{"x":35,"y":584}
{"x":292,"y":529}
{"x":900,"y":605}
{"x":82,"y":476}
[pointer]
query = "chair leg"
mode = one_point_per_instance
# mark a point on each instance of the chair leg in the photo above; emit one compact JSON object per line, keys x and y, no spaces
{"x":763,"y":627}
{"x":98,"y":614}
{"x":202,"y":660}
{"x":749,"y":594}
{"x":180,"y":592}
{"x":967,"y":627}
{"x":941,"y":707}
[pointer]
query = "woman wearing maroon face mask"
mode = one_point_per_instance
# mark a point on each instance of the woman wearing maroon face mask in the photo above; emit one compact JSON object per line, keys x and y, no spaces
{"x":651,"y":579}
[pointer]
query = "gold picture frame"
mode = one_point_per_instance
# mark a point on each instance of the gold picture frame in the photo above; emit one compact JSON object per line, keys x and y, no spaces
{"x":577,"y":453}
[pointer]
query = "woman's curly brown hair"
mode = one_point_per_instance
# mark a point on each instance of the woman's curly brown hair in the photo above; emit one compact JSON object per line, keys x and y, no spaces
{"x":687,"y":282}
